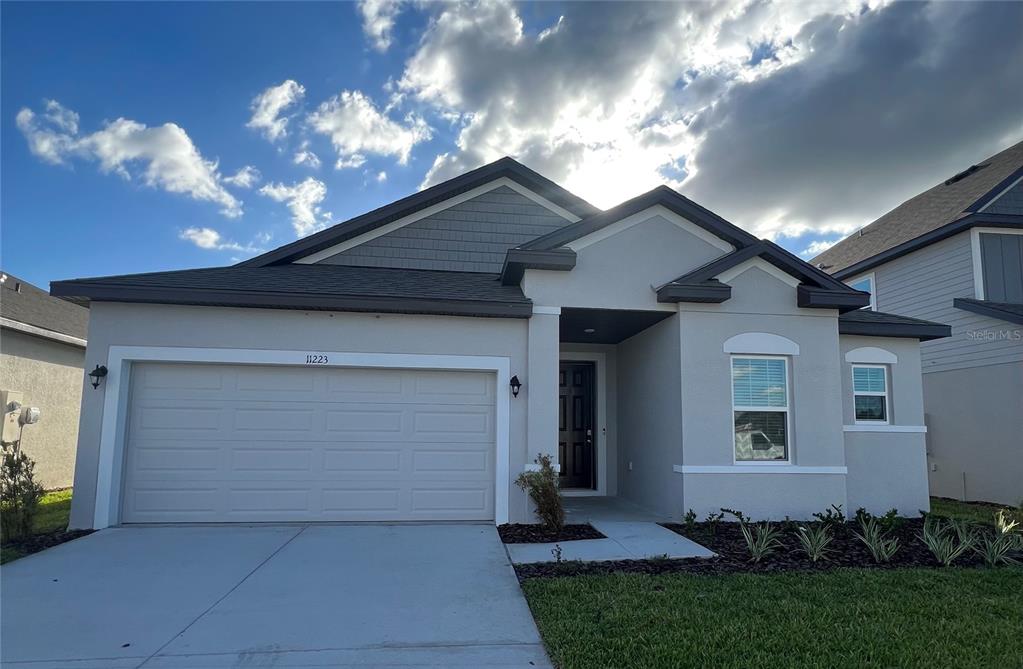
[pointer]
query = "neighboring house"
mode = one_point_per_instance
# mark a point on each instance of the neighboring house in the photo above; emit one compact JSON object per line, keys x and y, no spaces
{"x":409,"y":363}
{"x":42,"y":351}
{"x":954,"y":254}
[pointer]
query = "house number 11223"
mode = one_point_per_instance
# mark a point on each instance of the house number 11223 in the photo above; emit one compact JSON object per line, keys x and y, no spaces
{"x":316,"y":359}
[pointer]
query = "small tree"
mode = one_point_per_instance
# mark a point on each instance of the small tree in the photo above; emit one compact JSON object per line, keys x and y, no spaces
{"x":542,"y":486}
{"x":19,"y":495}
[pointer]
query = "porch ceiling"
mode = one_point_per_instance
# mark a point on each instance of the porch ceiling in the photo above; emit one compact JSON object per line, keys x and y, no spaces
{"x":609,"y":326}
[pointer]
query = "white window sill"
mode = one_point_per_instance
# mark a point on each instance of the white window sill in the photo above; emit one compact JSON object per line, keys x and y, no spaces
{"x":756,"y":469}
{"x":864,"y":427}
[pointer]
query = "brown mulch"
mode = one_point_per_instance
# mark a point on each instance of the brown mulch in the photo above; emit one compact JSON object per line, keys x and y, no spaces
{"x":40,"y":542}
{"x":726,"y":539}
{"x":536,"y":534}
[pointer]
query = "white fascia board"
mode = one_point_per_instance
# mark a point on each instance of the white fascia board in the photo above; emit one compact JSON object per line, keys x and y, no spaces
{"x":316,"y":257}
{"x":42,"y":332}
{"x":646,"y":215}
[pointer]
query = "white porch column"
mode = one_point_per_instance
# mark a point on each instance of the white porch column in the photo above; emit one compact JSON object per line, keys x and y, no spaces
{"x":541,"y":383}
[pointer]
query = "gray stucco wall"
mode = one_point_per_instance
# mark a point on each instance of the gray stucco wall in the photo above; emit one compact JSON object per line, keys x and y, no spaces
{"x":761,"y":303}
{"x":215,"y":327}
{"x":617,"y":272}
{"x":975,"y":438}
{"x":50,"y":375}
{"x":887,"y":469}
{"x":650,"y":418}
{"x":469,"y":237}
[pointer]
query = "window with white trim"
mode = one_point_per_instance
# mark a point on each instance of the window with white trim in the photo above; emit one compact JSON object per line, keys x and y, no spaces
{"x":866,"y":284}
{"x":870,"y":393}
{"x":760,"y":408}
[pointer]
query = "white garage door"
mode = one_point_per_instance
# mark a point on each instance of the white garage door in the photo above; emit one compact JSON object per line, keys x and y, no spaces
{"x":223,"y":443}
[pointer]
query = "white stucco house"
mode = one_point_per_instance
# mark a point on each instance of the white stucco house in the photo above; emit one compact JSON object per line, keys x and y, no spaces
{"x":409,"y":363}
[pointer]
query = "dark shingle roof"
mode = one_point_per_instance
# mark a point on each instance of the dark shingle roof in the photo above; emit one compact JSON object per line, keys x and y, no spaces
{"x":21,"y":301}
{"x":881,"y":324}
{"x":930,"y":210}
{"x":296,"y":286}
{"x":1006,"y":311}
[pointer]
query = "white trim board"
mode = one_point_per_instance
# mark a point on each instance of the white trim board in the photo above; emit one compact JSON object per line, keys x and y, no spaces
{"x":643,"y":216}
{"x":600,"y":362}
{"x":434,"y":209}
{"x":115,"y":403}
{"x":756,"y":469}
{"x":42,"y":332}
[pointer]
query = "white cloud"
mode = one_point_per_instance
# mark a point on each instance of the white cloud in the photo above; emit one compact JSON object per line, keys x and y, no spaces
{"x":817,"y":247}
{"x":303,"y":200}
{"x":305,"y":156}
{"x":210,"y":239}
{"x":378,"y":18}
{"x":356,"y":127}
{"x":246,"y":177}
{"x":381,"y":177}
{"x":784,"y":117}
{"x":268,"y":107}
{"x":166,"y":155}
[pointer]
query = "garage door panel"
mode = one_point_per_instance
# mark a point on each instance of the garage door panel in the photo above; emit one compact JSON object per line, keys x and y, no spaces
{"x":221,"y":443}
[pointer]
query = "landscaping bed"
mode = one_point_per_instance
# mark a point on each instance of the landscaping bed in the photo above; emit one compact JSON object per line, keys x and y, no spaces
{"x":521,"y":533}
{"x":49,"y":528}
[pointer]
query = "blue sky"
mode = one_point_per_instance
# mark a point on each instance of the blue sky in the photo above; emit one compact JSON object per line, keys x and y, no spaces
{"x":796,"y":123}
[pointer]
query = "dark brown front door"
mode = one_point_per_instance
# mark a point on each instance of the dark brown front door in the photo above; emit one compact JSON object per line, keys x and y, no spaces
{"x":576,"y":425}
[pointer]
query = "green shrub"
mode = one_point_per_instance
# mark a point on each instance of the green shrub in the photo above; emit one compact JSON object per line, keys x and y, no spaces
{"x":948,"y":540}
{"x":542,"y":487}
{"x":882,"y":547}
{"x":713,"y":520}
{"x":19,"y":495}
{"x":833,"y":517}
{"x":998,"y":548}
{"x":761,"y":539}
{"x":690,"y":520}
{"x":815,"y":540}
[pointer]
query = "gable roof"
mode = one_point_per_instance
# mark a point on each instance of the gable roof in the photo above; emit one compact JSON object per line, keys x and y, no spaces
{"x":662,"y":195}
{"x":21,"y":302}
{"x":951,"y":201}
{"x":817,"y":289}
{"x":312,"y":287}
{"x":504,"y":167}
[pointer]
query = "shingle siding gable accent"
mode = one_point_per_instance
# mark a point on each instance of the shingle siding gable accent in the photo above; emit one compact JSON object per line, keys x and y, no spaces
{"x":923,"y":284}
{"x":469,"y":237}
{"x":1009,"y":203}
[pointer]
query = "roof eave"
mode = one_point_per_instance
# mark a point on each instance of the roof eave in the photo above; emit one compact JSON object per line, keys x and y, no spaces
{"x":517,"y":261}
{"x":277,"y":300}
{"x":707,"y":292}
{"x":921,"y":331}
{"x":812,"y":297}
{"x":979,"y":307}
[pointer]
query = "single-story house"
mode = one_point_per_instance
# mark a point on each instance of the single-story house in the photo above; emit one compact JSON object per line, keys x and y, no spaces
{"x":954,"y":254}
{"x":42,"y":351}
{"x":409,"y":363}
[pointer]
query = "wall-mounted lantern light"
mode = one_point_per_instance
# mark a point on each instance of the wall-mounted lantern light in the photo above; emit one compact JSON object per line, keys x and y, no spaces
{"x":515,"y":386}
{"x":97,"y":375}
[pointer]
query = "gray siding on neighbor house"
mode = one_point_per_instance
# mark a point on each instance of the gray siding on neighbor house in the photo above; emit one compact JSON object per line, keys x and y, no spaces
{"x":1009,"y":203}
{"x":1002,"y":262}
{"x":923,"y":284}
{"x":469,"y":237}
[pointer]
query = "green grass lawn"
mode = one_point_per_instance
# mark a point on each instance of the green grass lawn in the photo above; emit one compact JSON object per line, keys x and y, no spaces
{"x":54,"y":510}
{"x":977,"y":513}
{"x":846,"y":618}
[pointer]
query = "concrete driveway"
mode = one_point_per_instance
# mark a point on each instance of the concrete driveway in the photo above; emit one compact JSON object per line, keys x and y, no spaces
{"x":262,"y":596}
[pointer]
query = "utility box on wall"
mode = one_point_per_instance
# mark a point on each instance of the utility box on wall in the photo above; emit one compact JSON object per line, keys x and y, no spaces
{"x":11,"y":401}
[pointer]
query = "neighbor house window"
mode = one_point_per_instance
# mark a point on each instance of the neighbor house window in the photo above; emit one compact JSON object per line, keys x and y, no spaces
{"x":760,"y":408}
{"x":866,"y":284}
{"x":870,"y":393}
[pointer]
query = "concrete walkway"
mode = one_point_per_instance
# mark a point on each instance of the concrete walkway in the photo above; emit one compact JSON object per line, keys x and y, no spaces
{"x":260,"y":596}
{"x":632,"y":533}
